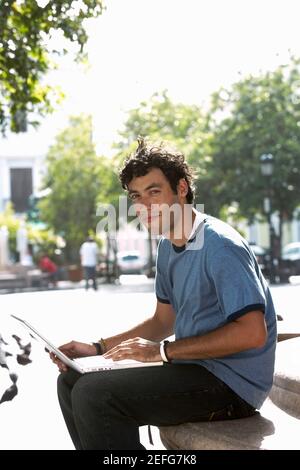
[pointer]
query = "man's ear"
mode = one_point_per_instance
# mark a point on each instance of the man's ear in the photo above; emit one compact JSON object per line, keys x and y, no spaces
{"x":182,"y":188}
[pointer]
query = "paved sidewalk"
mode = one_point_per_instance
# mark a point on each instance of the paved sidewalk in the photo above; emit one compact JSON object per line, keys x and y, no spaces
{"x":33,"y":420}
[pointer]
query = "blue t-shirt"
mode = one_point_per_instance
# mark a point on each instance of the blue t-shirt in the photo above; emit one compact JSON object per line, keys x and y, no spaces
{"x":209,"y":282}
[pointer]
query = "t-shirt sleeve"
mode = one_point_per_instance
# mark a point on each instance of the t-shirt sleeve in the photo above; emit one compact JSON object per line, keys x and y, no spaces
{"x":161,"y":288}
{"x":237,"y":285}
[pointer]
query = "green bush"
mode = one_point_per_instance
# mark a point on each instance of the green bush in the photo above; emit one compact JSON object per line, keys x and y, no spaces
{"x":41,"y":239}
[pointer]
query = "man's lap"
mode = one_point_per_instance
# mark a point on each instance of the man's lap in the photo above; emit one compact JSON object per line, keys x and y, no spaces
{"x":164,"y":395}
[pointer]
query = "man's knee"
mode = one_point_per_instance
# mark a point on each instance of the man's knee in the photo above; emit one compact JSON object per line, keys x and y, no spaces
{"x":82,"y":389}
{"x":86,"y":394}
{"x":67,"y":380}
{"x":61,"y":383}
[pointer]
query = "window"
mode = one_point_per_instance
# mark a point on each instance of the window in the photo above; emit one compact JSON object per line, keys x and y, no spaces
{"x":130,"y":258}
{"x":20,"y":188}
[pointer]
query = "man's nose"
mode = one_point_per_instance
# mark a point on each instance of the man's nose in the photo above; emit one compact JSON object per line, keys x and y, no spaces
{"x":141,"y":209}
{"x":145,"y":202}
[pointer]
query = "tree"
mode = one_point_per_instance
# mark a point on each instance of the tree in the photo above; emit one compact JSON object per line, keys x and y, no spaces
{"x":161,"y":119}
{"x":262,"y":116}
{"x":181,"y":125}
{"x":184,"y":127}
{"x":26,"y":53}
{"x":78,"y":178}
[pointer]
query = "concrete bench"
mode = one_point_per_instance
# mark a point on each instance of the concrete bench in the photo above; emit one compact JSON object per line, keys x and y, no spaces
{"x":286,"y":330}
{"x":285,"y":392}
{"x":19,"y":277}
{"x":277,"y":426}
{"x":10,"y":281}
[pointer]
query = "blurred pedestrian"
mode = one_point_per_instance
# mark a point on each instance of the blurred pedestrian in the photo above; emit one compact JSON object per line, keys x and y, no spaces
{"x":89,"y":256}
{"x":46,"y":265}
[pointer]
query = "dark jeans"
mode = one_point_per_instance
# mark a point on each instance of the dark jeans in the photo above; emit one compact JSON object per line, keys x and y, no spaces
{"x":103,"y":410}
{"x":90,"y":273}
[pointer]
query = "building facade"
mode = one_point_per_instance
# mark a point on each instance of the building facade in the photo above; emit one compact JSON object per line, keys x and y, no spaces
{"x":258,"y":232}
{"x":19,"y":178}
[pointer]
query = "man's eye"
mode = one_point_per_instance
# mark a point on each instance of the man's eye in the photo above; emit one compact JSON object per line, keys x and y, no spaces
{"x":154,"y":192}
{"x":133,"y":197}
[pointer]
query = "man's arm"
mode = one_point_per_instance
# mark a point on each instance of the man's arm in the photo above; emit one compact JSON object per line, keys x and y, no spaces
{"x":152,"y":330}
{"x":246,"y":332}
{"x":156,"y":328}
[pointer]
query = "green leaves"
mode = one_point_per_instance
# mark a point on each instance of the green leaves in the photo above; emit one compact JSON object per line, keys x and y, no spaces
{"x":256,"y":115}
{"x":181,"y":125}
{"x":26,"y":29}
{"x":78,"y":179}
{"x":263,"y":113}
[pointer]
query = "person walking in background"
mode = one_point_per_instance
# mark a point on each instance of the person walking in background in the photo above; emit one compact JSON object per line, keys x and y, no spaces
{"x":89,"y":255}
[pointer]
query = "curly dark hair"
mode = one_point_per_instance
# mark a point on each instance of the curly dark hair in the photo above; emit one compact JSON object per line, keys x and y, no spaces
{"x":171,"y":163}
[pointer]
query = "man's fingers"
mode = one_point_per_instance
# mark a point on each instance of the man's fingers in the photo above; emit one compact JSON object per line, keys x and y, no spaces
{"x":53,"y":358}
{"x":112,"y":353}
{"x":128,"y":344}
{"x":131,"y":340}
{"x":123,"y":351}
{"x":121,"y":354}
{"x":61,"y":366}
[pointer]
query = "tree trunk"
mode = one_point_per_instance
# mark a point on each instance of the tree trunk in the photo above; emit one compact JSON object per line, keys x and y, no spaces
{"x":281,"y":220}
{"x":108,"y":277}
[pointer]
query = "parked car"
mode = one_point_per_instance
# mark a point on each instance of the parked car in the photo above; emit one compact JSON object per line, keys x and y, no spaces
{"x":262,"y":257}
{"x":292,"y":252}
{"x":290,"y":261}
{"x":131,"y":262}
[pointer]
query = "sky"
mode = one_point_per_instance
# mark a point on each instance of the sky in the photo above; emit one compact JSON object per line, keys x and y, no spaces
{"x":138,"y":47}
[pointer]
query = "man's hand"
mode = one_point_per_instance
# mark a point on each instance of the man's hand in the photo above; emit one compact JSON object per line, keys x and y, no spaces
{"x":72,"y":350}
{"x":138,"y":349}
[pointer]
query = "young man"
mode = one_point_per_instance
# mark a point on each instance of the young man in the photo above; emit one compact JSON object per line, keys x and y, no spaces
{"x":210,"y":293}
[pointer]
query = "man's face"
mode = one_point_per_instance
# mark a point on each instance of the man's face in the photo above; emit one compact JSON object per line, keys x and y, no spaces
{"x":152,"y":197}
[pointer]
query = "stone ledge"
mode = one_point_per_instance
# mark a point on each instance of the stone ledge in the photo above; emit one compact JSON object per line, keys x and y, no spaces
{"x":285,"y":331}
{"x":285,"y":392}
{"x":271,"y":429}
{"x":275,"y":427}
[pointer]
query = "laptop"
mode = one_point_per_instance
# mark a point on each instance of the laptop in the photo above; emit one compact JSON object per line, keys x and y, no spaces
{"x":85,"y":364}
